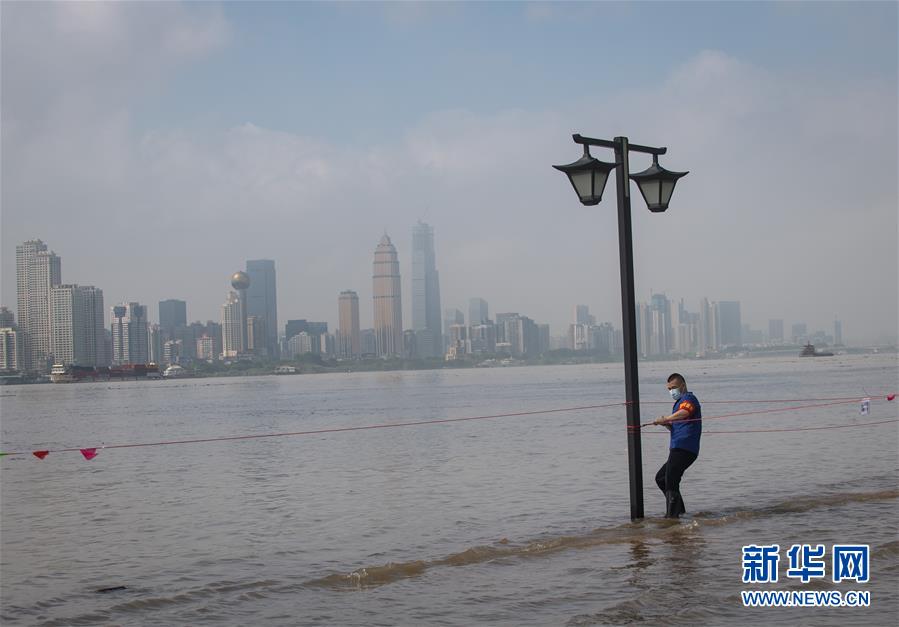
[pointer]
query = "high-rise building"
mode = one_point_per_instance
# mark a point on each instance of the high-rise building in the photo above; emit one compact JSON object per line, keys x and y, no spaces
{"x":37,"y":270}
{"x":212,"y":330}
{"x":328,"y":344}
{"x":368,"y":340}
{"x":318,"y":337}
{"x":240,"y":281}
{"x":295,"y":326}
{"x":459,"y":343}
{"x":643,"y":328}
{"x":582,"y":315}
{"x":477,"y":311}
{"x":130,"y":338}
{"x":11,"y":349}
{"x":348,"y":340}
{"x":450,"y":317}
{"x":425,"y":292}
{"x":483,"y":337}
{"x":522,"y":334}
{"x":838,"y":332}
{"x":107,"y":346}
{"x":388,"y":306}
{"x":298,"y":344}
{"x":661,"y":340}
{"x":799,"y":332}
{"x":776,"y":330}
{"x":172,"y":314}
{"x":171,"y":352}
{"x":206,"y":348}
{"x":502,"y":327}
{"x":729,"y":323}
{"x":76,"y":323}
{"x":233,"y":327}
{"x":257,"y":336}
{"x":155,"y":343}
{"x":542,"y":338}
{"x":263,"y":300}
{"x":188,"y":335}
{"x":7,"y":318}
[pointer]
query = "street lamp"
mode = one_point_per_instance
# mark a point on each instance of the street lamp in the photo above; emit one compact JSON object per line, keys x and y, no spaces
{"x":588,"y":177}
{"x":656,"y":184}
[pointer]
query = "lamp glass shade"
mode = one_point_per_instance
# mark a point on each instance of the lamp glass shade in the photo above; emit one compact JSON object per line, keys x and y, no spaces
{"x":657,"y":185}
{"x":588,"y":177}
{"x":583,"y":183}
{"x":667,"y":189}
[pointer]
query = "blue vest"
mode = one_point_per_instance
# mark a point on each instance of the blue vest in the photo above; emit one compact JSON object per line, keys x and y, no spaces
{"x":685,"y":434}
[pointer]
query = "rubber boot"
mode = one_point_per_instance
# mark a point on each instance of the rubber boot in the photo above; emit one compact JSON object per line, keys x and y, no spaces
{"x":680,"y":508}
{"x":671,"y":509}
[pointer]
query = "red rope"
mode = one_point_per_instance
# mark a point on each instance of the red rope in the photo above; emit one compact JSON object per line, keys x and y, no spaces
{"x":846,"y":426}
{"x":329,"y":430}
{"x":835,"y":401}
{"x":779,"y":400}
{"x":755,"y":412}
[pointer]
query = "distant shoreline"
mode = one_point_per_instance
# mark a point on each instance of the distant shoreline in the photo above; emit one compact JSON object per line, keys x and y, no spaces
{"x":560,"y":358}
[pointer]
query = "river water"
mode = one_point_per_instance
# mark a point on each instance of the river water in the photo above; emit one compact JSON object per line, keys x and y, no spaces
{"x":509,"y":521}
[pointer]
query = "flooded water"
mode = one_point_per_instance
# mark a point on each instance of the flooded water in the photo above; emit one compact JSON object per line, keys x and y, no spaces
{"x":509,"y":521}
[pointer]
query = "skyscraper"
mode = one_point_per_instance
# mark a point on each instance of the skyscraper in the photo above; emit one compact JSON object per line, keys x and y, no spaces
{"x":644,"y":329}
{"x":451,"y":316}
{"x":7,"y":318}
{"x":293,"y":327}
{"x":838,"y":332}
{"x":776,"y":330}
{"x":348,"y":340}
{"x":130,"y":339}
{"x":232,"y":323}
{"x":257,"y":335}
{"x":154,"y":343}
{"x":729,"y":323}
{"x":206,"y":348}
{"x":388,"y":309}
{"x":661,"y":337}
{"x":477,"y":311}
{"x":263,"y":300}
{"x":10,"y":349}
{"x":582,"y":315}
{"x":37,"y":270}
{"x":172,"y":314}
{"x":503,"y":333}
{"x":482,"y":337}
{"x":368,"y":340}
{"x":240,"y":281}
{"x":425,"y":292}
{"x":77,"y":330}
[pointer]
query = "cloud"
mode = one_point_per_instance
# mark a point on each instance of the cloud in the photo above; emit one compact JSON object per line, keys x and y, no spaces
{"x":173,"y":211}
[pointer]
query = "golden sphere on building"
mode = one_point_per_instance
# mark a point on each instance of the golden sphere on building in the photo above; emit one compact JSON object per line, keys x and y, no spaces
{"x":240,"y":281}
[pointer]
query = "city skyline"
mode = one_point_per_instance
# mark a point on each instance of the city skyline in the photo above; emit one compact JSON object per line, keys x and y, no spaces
{"x":173,"y":321}
{"x":103,"y":130}
{"x":72,"y":317}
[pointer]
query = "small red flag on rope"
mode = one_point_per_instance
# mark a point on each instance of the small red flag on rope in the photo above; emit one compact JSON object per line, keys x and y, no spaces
{"x":41,"y":454}
{"x":89,"y":453}
{"x":891,"y":397}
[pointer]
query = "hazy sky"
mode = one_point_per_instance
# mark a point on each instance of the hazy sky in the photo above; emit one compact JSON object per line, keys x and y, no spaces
{"x":157,"y":146}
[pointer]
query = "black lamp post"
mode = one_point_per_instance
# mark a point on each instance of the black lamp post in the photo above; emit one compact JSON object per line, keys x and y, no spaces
{"x":588,"y":177}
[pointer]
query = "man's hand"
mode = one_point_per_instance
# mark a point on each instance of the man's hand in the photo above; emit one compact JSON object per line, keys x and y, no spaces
{"x":661,"y":420}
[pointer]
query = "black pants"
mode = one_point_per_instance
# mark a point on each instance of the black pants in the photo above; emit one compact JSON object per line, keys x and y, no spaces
{"x":669,"y":475}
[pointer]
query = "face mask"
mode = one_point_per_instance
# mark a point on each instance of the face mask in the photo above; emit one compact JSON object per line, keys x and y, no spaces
{"x":675,"y":393}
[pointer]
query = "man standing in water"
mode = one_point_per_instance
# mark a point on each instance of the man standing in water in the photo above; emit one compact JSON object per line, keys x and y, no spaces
{"x":685,"y":424}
